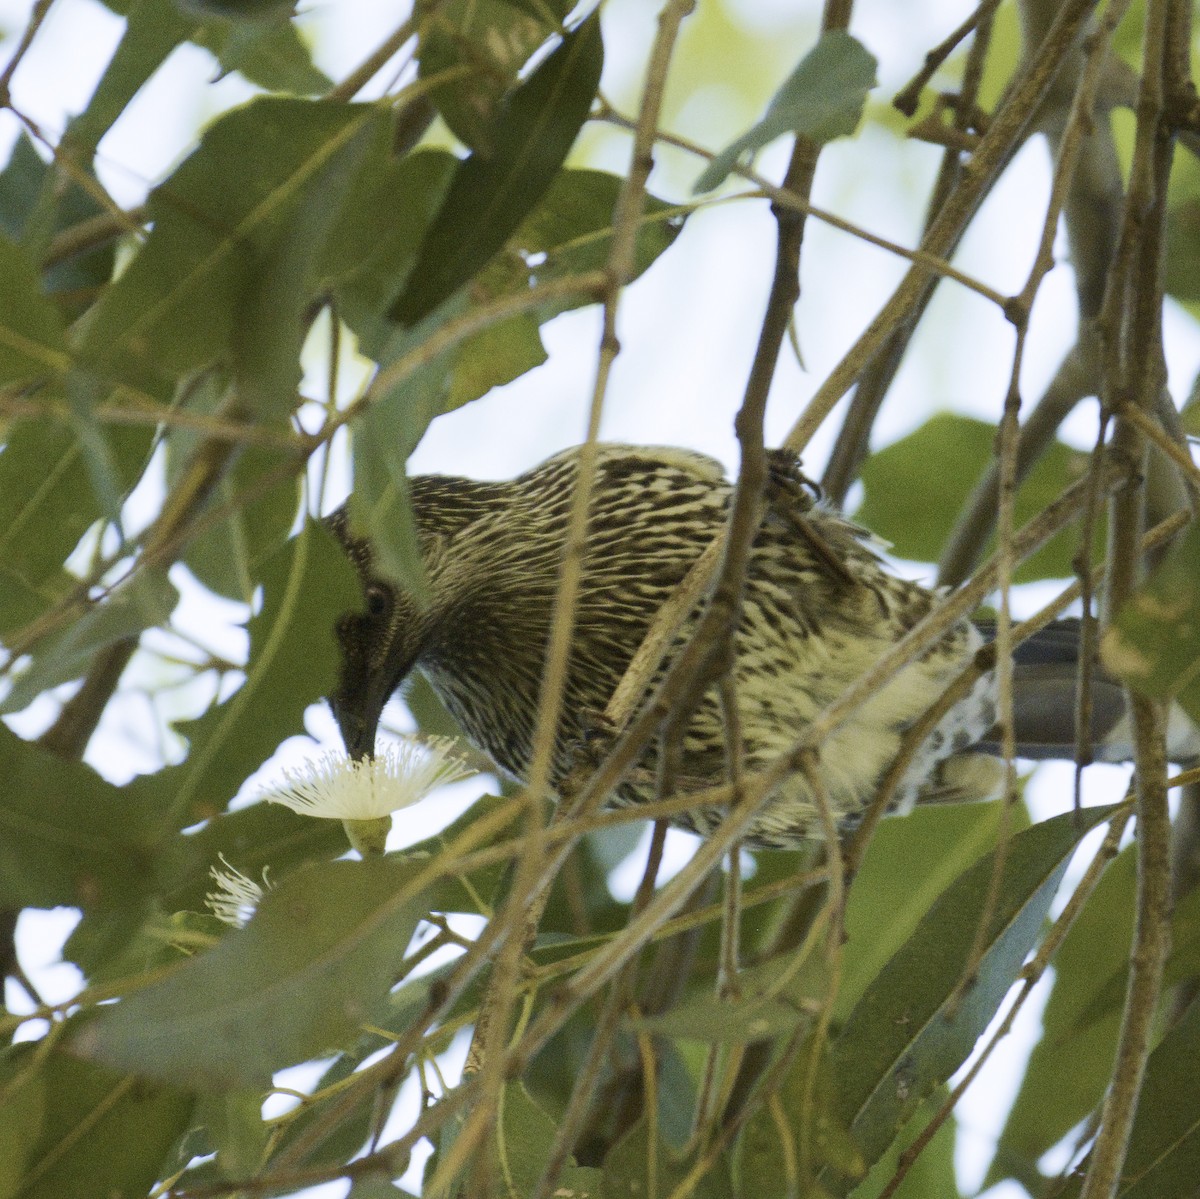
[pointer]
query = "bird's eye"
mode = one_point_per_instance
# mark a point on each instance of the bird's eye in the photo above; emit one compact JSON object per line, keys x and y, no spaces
{"x":377,"y":601}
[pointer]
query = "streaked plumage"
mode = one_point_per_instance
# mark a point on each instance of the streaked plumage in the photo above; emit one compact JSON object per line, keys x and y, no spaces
{"x":809,"y":627}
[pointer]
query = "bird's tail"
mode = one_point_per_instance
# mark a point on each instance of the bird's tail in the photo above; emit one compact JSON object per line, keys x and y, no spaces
{"x":1045,"y":669}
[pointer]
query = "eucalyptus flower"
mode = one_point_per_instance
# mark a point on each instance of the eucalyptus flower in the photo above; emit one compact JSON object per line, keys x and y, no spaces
{"x":364,"y":793}
{"x":236,"y":896}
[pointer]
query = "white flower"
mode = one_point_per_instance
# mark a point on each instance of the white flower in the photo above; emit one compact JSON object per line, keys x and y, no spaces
{"x":235,"y":897}
{"x":338,"y":788}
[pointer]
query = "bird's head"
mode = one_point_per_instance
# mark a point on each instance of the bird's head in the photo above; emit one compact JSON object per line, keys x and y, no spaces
{"x":379,"y":644}
{"x":475,"y":548}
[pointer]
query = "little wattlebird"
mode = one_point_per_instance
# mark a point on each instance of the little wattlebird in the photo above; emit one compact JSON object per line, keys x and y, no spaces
{"x":819,"y":608}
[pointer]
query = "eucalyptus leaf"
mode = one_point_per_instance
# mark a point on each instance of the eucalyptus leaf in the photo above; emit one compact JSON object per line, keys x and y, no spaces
{"x":916,"y":487}
{"x":270,"y":52}
{"x":153,"y":29}
{"x":913,"y":1028}
{"x":639,"y":1163}
{"x":39,"y":200}
{"x":478,"y":47}
{"x":46,"y":505}
{"x":1164,"y":1148}
{"x":175,"y":309}
{"x":32,"y":345}
{"x":313,"y":964}
{"x":146,"y":600}
{"x":1095,"y":949}
{"x":47,"y":1100}
{"x":69,"y":837}
{"x":271,"y":310}
{"x":821,"y":99}
{"x":489,"y":197}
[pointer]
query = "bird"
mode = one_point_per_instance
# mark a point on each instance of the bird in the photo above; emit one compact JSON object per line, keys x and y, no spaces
{"x":820,"y":606}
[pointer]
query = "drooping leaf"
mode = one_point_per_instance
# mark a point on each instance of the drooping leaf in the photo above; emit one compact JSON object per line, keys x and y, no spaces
{"x":933,"y":1171}
{"x":73,"y":1128}
{"x":478,"y":47}
{"x":774,"y":999}
{"x":371,"y":251}
{"x":910,"y":862}
{"x":228,"y":557}
{"x":1181,"y":278}
{"x":270,"y":311}
{"x":1096,"y":947}
{"x":796,"y":1134}
{"x":32,"y":345}
{"x":570,"y":232}
{"x":314,"y":963}
{"x":916,"y":487}
{"x":146,"y":600}
{"x":489,"y":197}
{"x":1154,"y":643}
{"x":905,"y":1035}
{"x":821,"y":99}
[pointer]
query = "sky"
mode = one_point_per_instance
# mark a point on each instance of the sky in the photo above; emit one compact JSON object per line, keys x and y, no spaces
{"x":687,"y":333}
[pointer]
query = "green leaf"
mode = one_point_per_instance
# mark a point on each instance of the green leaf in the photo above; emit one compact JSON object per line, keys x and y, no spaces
{"x":66,"y":835}
{"x":146,"y":600}
{"x":371,"y":251}
{"x":1181,"y":273}
{"x":228,"y":557}
{"x":480,"y":46}
{"x":488,"y":198}
{"x":1095,"y":949}
{"x":270,"y":53}
{"x":271,"y":311}
{"x":32,"y":345}
{"x":234,"y":1125}
{"x":72,"y":1128}
{"x":911,"y":860}
{"x":916,"y":487}
{"x":821,"y":99}
{"x":1154,"y":643}
{"x":768,"y":1158}
{"x":902,"y":1038}
{"x":774,"y":1000}
{"x":46,"y":505}
{"x":39,"y":200}
{"x":570,"y":232}
{"x":175,"y":309}
{"x":293,"y":663}
{"x":153,"y":28}
{"x":372,"y":1186}
{"x":1164,"y":1148}
{"x":932,"y":1174}
{"x":312,"y":965}
{"x":636,"y":1165}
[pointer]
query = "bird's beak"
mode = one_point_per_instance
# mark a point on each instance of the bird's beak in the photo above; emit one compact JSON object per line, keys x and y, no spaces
{"x":359,"y":701}
{"x":357,"y":710}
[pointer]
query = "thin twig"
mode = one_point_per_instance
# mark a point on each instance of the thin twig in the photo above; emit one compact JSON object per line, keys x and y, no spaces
{"x":907,"y":98}
{"x":994,"y":149}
